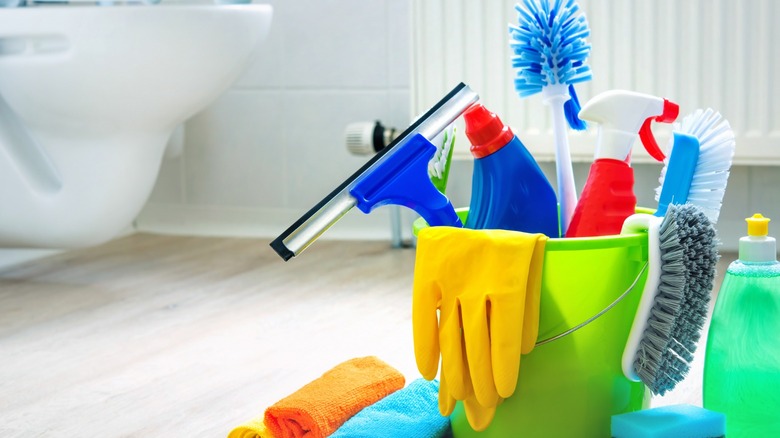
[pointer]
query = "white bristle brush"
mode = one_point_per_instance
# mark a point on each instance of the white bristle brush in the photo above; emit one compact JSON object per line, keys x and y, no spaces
{"x":710,"y":176}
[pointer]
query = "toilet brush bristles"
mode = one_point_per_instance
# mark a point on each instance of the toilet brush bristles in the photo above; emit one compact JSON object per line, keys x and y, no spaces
{"x":549,"y":48}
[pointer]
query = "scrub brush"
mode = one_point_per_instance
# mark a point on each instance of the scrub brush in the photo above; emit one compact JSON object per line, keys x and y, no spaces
{"x":696,"y":169}
{"x":439,"y":166}
{"x":549,"y":52}
{"x":682,"y":256}
{"x":682,"y":253}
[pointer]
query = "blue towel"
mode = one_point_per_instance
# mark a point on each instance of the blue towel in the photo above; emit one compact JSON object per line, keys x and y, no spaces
{"x":412,"y":412}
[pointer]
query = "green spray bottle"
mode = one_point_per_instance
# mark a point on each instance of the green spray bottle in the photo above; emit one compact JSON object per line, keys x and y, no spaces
{"x":742,"y":362}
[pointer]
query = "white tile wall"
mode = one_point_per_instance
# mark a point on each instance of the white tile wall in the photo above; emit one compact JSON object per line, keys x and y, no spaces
{"x":227,"y":161}
{"x":341,"y":44}
{"x":272,"y":146}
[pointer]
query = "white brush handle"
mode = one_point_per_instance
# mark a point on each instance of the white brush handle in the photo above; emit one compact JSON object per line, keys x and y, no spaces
{"x":556,"y":96}
{"x":640,"y":223}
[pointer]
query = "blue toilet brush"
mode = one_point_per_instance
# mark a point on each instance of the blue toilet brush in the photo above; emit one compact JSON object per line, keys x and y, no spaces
{"x":550,"y":50}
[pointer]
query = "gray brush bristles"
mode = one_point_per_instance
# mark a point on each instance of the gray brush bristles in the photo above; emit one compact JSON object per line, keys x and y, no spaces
{"x":666,"y":308}
{"x":688,"y":258}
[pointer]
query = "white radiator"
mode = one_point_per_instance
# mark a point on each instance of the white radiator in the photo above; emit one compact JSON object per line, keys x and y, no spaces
{"x":723,"y":54}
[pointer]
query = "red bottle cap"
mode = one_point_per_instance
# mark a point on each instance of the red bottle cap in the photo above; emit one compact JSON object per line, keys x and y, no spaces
{"x":486,"y":132}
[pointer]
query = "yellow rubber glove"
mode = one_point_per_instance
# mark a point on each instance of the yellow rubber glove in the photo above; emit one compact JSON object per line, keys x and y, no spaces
{"x":478,"y":416}
{"x":485,"y":285}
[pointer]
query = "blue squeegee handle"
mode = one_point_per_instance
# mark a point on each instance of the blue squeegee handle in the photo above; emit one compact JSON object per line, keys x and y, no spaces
{"x":303,"y":232}
{"x":403,"y":180}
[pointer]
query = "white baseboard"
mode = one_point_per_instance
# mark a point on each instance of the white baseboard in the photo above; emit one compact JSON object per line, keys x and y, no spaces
{"x":258,"y":222}
{"x":11,"y":257}
{"x":270,"y":222}
{"x":16,"y":256}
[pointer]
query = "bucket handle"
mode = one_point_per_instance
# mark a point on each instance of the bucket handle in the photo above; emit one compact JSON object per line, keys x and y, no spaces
{"x":596,"y":316}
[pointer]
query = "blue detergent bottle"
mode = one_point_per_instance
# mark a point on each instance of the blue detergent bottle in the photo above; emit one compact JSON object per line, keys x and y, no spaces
{"x":508,"y":191}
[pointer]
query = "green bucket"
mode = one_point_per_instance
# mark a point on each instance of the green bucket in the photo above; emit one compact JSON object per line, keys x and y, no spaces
{"x":572,"y":385}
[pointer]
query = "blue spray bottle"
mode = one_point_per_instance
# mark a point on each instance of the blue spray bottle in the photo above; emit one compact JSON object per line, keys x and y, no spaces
{"x":508,"y":189}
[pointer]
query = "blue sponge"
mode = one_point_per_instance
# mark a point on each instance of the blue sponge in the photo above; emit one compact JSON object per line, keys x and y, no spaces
{"x":679,"y":421}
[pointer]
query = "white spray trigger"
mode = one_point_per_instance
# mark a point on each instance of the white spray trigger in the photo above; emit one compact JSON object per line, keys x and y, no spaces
{"x":621,"y":115}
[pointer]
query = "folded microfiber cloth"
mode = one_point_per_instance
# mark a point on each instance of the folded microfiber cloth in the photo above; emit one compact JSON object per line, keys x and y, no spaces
{"x":323,"y":405}
{"x":253,"y":428}
{"x":412,"y":412}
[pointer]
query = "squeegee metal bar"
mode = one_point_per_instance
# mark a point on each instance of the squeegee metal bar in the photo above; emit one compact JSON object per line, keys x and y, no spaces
{"x":333,"y":207}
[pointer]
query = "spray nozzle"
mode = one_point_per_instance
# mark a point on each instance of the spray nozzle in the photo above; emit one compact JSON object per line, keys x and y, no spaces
{"x":621,"y":115}
{"x":670,"y":112}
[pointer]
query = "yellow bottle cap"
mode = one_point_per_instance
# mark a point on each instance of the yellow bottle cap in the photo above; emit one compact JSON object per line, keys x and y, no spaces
{"x":758,"y":225}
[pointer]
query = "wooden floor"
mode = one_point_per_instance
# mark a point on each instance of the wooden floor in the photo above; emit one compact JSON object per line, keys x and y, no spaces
{"x":153,"y":336}
{"x":160,"y":336}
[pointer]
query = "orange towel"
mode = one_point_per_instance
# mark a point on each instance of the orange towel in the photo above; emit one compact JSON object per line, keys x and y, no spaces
{"x":323,"y":405}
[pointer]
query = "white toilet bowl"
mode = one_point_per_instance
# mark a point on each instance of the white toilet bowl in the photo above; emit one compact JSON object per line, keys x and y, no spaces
{"x":90,"y":95}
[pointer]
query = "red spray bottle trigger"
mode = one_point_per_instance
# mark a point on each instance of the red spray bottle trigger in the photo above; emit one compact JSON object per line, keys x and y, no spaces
{"x":670,"y":112}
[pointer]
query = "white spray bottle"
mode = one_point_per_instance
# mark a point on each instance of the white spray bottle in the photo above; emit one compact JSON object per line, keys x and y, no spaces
{"x":608,"y":196}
